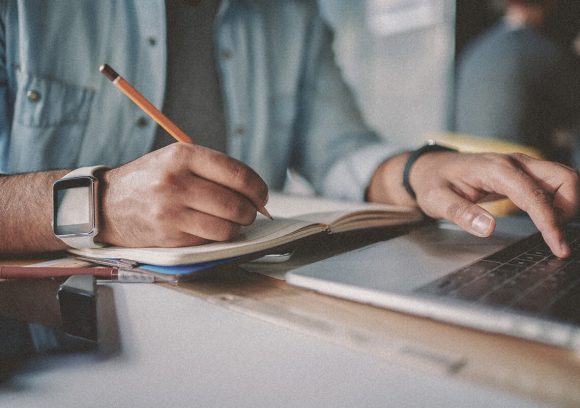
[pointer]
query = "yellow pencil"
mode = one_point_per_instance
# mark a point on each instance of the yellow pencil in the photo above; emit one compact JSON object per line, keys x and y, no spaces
{"x":153,"y":112}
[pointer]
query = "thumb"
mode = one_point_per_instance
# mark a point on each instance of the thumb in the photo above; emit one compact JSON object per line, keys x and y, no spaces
{"x":445,"y":203}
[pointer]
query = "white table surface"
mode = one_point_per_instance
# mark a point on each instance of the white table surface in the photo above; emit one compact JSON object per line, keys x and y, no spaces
{"x":180,"y":351}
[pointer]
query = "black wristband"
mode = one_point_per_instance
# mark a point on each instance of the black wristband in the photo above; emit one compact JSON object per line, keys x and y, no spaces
{"x":431,"y":146}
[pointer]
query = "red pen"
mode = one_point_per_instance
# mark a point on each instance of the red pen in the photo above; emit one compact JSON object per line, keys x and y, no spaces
{"x":101,"y":273}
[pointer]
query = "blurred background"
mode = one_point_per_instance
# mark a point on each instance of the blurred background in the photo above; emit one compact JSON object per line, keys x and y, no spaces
{"x":401,"y":59}
{"x":397,"y":55}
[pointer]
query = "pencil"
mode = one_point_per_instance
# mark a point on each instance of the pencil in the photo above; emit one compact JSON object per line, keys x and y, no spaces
{"x":154,"y":113}
{"x":25,"y":272}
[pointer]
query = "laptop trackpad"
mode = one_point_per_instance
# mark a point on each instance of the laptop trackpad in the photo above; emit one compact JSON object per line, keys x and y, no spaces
{"x":402,"y":264}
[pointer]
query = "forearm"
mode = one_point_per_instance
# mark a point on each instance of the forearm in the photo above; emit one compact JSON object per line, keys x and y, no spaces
{"x":25,"y":220}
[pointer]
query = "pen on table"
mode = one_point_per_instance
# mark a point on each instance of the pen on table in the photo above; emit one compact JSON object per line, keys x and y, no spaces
{"x":154,"y":113}
{"x":108,"y":274}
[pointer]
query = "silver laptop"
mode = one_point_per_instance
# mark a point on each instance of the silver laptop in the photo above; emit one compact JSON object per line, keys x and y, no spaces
{"x":509,"y":283}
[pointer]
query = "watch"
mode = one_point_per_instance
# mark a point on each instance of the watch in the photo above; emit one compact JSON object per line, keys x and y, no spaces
{"x":430,"y":146}
{"x":75,"y":217}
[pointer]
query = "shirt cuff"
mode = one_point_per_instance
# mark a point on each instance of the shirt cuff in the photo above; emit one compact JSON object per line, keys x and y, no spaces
{"x":349,"y":178}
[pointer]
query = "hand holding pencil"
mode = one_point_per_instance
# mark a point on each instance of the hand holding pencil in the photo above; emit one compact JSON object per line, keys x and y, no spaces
{"x":180,"y":195}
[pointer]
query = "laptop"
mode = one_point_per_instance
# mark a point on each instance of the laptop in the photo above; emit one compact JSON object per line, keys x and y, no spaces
{"x":509,"y":283}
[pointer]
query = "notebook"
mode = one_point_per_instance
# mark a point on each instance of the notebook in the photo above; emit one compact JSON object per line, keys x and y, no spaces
{"x":509,"y":284}
{"x":295,"y":218}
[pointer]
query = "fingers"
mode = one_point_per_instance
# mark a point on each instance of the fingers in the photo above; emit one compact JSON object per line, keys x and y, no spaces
{"x":191,"y":210}
{"x":221,"y":169}
{"x":547,"y":191}
{"x":214,"y":199}
{"x":559,"y":180}
{"x":536,"y":196}
{"x":191,"y":227}
{"x":200,"y":225}
{"x":559,"y":187}
{"x":443,"y":202}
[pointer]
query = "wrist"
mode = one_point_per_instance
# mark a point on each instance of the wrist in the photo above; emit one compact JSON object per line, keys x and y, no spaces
{"x":76,"y":203}
{"x":105,"y":210}
{"x":414,"y":160}
{"x":385,"y":185}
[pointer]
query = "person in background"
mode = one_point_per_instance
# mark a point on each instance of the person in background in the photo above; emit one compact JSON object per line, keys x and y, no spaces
{"x":255,"y":84}
{"x":518,"y":80}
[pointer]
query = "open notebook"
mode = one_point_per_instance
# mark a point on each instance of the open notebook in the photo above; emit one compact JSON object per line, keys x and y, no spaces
{"x":295,"y":218}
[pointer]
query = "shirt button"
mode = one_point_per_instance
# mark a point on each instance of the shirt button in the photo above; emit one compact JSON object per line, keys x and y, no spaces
{"x":33,"y":95}
{"x":239,"y":131}
{"x":227,"y":54}
{"x":142,"y":122}
{"x":152,"y":41}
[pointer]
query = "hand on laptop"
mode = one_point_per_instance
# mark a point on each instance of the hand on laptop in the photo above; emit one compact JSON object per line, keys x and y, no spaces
{"x":180,"y":195}
{"x":449,"y":184}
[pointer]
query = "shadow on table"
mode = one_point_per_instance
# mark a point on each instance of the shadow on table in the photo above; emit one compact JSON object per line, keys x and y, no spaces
{"x":31,"y":329}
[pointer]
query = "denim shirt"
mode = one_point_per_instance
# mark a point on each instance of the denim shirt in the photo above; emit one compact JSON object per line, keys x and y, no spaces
{"x":286,"y":104}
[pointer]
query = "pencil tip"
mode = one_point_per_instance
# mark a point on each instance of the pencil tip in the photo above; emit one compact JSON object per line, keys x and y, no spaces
{"x":265,"y":213}
{"x":109,"y":72}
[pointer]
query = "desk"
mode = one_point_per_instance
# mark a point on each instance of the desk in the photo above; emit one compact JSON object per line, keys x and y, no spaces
{"x":245,"y":339}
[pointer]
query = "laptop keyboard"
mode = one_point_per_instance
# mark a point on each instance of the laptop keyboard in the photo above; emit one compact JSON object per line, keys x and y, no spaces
{"x":525,"y":277}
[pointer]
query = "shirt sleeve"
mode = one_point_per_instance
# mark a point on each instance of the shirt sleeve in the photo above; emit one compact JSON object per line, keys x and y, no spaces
{"x":335,"y":149}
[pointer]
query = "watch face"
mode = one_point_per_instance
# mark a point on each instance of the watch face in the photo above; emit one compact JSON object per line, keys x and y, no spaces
{"x":73,"y":206}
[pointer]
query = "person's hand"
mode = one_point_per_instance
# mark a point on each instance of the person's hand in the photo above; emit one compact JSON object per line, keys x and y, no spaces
{"x":448,"y":185}
{"x":180,"y":195}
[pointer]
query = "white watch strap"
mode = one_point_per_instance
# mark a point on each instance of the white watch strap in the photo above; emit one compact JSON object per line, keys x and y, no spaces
{"x":84,"y":171}
{"x":83,"y":241}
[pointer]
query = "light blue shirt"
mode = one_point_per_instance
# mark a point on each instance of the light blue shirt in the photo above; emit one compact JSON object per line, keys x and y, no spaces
{"x":286,"y":104}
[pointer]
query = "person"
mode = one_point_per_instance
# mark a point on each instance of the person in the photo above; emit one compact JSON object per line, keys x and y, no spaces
{"x":518,"y":81}
{"x":271,"y":99}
